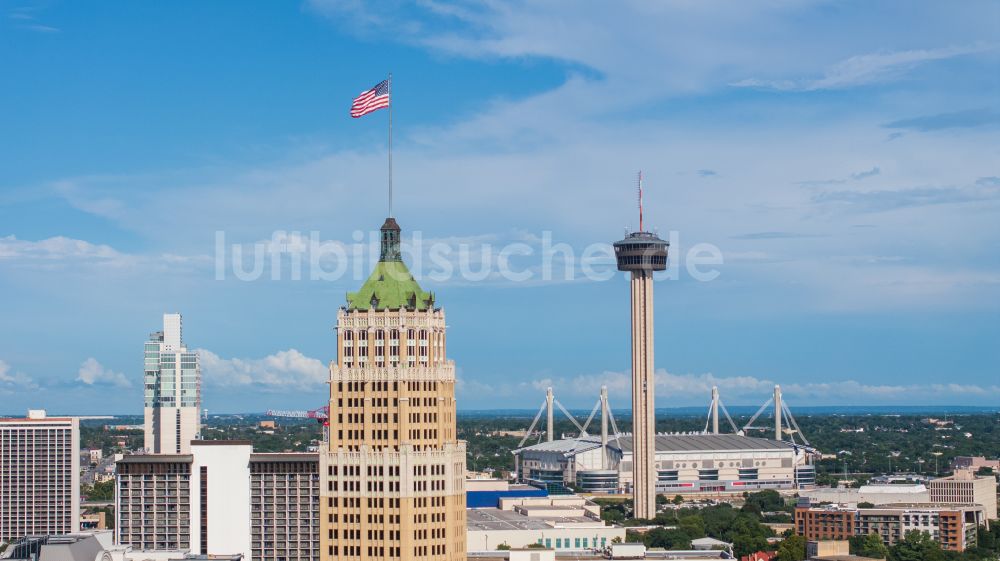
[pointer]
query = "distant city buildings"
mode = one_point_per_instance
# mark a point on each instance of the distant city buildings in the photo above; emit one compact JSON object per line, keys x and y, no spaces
{"x":39,"y":476}
{"x":965,"y":487}
{"x":172,"y":390}
{"x":974,"y":463}
{"x":221,"y":499}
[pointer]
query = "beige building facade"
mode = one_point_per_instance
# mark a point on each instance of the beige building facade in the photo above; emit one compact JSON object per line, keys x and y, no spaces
{"x":965,"y":487}
{"x":393,"y":471}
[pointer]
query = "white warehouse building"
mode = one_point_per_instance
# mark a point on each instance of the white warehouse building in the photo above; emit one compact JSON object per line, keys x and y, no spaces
{"x":685,"y":463}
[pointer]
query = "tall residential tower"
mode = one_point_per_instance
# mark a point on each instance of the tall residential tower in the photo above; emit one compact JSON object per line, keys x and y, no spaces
{"x":172,"y":382}
{"x":393,"y":471}
{"x":641,"y":253}
{"x":39,"y":476}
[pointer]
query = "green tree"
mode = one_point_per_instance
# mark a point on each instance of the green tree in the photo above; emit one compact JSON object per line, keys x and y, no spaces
{"x":869,"y":545}
{"x":792,"y":548}
{"x":745,"y":544}
{"x":613,"y":516}
{"x":693,"y":525}
{"x":99,"y":492}
{"x":768,"y":500}
{"x":667,"y":538}
{"x":916,"y":546}
{"x":503,"y":547}
{"x":678,"y":500}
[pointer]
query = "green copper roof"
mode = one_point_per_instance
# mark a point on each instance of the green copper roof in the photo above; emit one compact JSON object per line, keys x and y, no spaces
{"x":390,"y":287}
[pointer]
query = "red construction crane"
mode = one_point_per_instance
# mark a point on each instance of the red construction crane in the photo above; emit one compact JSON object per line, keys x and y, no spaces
{"x":322,"y":415}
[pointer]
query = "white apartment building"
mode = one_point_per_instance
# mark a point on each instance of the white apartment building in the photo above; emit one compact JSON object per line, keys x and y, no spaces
{"x":39,"y":476}
{"x":172,"y":386}
{"x":967,"y":488}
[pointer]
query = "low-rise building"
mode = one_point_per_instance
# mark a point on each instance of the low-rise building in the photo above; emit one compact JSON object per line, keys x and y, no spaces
{"x":825,"y":523}
{"x":967,"y":488}
{"x":486,"y":493}
{"x":874,"y":494}
{"x":974,"y":463}
{"x":954,"y":526}
{"x":565,"y":522}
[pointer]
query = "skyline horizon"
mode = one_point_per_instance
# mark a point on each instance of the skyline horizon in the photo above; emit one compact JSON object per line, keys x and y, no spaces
{"x":840,"y":160}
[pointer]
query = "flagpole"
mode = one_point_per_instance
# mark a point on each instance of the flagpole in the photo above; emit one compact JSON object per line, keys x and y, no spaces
{"x":390,"y":145}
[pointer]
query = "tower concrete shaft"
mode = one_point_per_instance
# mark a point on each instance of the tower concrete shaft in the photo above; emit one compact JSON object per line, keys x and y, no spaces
{"x":643,"y":403}
{"x":642,"y":253}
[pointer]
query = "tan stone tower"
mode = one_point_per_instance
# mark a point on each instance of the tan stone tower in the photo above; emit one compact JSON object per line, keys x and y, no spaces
{"x":393,"y":471}
{"x":641,"y":253}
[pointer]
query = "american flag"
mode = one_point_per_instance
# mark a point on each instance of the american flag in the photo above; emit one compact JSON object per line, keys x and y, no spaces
{"x":371,"y":100}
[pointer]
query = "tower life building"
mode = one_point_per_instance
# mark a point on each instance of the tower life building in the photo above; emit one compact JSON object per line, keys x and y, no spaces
{"x":393,"y":472}
{"x":172,"y":385}
{"x":641,"y":253}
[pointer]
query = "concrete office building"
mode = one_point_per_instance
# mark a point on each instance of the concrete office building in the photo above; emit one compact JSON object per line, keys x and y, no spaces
{"x":684,"y":463}
{"x":566,"y":522}
{"x":875,"y":494}
{"x":393,"y":471}
{"x":965,"y":487}
{"x":953,"y":526}
{"x":641,"y":253}
{"x":172,"y":389}
{"x":221,"y":499}
{"x":39,"y":476}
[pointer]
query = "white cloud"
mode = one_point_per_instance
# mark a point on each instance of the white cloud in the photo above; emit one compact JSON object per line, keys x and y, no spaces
{"x":55,"y":248}
{"x":679,"y":389}
{"x":861,"y":70}
{"x":11,"y":381}
{"x":282,"y":371}
{"x":60,"y":252}
{"x":94,"y":373}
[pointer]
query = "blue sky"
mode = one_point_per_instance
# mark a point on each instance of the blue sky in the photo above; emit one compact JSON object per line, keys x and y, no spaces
{"x":842,"y":157}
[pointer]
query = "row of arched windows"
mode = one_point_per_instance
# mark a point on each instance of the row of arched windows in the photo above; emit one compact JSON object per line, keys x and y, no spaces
{"x":355,"y":347}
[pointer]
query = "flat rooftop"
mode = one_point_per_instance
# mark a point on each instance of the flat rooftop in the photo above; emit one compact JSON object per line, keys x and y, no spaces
{"x":494,"y":519}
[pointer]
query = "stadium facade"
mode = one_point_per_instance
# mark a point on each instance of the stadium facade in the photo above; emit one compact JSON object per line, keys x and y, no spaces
{"x":685,"y":463}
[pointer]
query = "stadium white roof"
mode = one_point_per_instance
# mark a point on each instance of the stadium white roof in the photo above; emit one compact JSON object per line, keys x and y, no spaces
{"x":665,"y":443}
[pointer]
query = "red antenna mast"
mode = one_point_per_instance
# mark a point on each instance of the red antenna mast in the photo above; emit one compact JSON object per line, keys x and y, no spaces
{"x":640,"y":201}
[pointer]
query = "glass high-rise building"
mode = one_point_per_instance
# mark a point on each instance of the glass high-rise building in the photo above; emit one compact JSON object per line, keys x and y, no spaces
{"x":172,"y":385}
